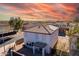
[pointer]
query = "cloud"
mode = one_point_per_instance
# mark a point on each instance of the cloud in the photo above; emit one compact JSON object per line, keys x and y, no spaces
{"x":39,"y":10}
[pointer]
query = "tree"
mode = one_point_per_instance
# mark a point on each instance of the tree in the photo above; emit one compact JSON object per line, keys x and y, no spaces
{"x":16,"y":23}
{"x":71,"y":32}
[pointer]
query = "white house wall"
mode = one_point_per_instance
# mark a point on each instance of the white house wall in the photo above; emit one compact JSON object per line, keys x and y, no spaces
{"x":32,"y":37}
{"x":54,"y":37}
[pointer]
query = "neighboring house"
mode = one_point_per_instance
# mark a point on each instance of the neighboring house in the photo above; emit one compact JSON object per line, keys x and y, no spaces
{"x":42,"y":33}
{"x":10,"y":39}
{"x":74,"y":43}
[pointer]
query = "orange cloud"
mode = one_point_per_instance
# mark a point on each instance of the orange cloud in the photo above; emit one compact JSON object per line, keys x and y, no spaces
{"x":67,"y":7}
{"x":44,"y":7}
{"x":41,"y":10}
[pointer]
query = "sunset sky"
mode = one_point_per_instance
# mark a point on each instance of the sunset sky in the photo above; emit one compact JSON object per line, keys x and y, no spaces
{"x":38,"y":11}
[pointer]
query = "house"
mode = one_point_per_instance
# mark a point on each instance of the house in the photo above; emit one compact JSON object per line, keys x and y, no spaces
{"x":7,"y":41}
{"x":73,"y":46}
{"x":42,"y":33}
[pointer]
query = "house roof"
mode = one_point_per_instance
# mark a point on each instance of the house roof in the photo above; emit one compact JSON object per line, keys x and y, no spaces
{"x":42,"y":29}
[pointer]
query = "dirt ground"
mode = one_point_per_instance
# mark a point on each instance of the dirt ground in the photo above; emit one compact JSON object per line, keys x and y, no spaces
{"x":63,"y":44}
